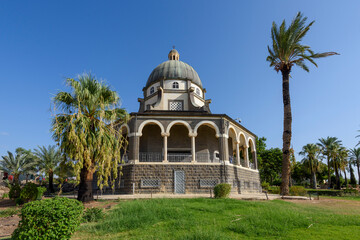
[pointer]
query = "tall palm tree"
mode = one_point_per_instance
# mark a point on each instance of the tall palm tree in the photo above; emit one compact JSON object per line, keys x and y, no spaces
{"x":20,"y":163}
{"x":336,"y":151}
{"x":326,"y":145}
{"x":311,"y":161}
{"x":355,"y":156}
{"x":286,"y":52}
{"x":343,"y":161}
{"x":49,"y":158}
{"x":85,"y":131}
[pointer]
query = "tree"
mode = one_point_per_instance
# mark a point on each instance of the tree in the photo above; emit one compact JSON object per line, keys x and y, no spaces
{"x":343,"y":161}
{"x":270,"y":165}
{"x":86,"y":133}
{"x":326,"y":145}
{"x":286,"y":52}
{"x":355,"y":157}
{"x":311,"y":160}
{"x":20,"y":163}
{"x":49,"y":158}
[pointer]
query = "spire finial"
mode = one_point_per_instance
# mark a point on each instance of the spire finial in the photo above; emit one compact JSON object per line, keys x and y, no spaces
{"x":173,"y":46}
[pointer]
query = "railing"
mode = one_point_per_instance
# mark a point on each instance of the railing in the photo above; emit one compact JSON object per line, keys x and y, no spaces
{"x":242,"y":162}
{"x":150,"y":157}
{"x":179,"y":157}
{"x":205,"y":158}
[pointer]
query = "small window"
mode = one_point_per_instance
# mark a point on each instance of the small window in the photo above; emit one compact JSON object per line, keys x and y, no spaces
{"x":176,"y":85}
{"x":152,"y":90}
{"x":176,"y":106}
{"x":198,"y":91}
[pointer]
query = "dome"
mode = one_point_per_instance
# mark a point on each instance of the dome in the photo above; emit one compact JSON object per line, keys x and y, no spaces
{"x":174,"y":69}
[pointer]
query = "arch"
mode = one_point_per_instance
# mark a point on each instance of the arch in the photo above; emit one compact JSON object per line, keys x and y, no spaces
{"x":252,"y":144}
{"x":236,"y":136}
{"x":210,"y":124}
{"x":142,"y":125}
{"x":243,"y":137}
{"x":181,"y":122}
{"x":175,"y":85}
{"x":124,"y":125}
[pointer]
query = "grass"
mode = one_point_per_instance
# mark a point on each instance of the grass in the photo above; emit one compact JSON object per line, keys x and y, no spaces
{"x":220,"y":219}
{"x":9,"y":212}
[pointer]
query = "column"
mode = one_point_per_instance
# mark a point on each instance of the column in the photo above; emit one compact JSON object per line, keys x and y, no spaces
{"x":246,"y":156}
{"x":134,"y":143}
{"x":255,"y":159}
{"x":165,"y":136}
{"x":224,"y":148}
{"x":237,"y":154}
{"x":193,"y":149}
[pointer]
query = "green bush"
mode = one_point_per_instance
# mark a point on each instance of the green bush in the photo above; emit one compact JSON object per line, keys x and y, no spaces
{"x":55,"y":218}
{"x":40,"y":192}
{"x":297,"y":191}
{"x":29,"y":192}
{"x":93,"y":215}
{"x":222,"y":190}
{"x":5,"y":195}
{"x":14,"y":191}
{"x":265,"y":185}
{"x":274,"y":189}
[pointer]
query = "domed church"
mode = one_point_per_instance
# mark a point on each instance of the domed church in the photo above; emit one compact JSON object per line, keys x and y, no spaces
{"x":176,"y":145}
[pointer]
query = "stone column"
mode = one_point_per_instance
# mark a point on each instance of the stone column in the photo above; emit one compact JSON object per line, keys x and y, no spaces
{"x":224,"y":148}
{"x":254,"y":156}
{"x":134,"y":143}
{"x":246,"y":156}
{"x":165,"y":136}
{"x":193,"y":149}
{"x":237,"y":154}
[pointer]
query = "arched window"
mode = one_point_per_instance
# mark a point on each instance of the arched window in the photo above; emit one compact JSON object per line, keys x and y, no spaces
{"x":198,"y":91}
{"x":152,"y":90}
{"x":176,"y":85}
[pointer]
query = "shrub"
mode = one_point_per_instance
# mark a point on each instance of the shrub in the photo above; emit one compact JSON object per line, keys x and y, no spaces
{"x":297,"y":191}
{"x":14,"y":191}
{"x":265,"y":185}
{"x":222,"y":190}
{"x":274,"y":189}
{"x":29,"y":192}
{"x":5,"y":195}
{"x":55,"y":218}
{"x":40,"y":192}
{"x":93,"y":215}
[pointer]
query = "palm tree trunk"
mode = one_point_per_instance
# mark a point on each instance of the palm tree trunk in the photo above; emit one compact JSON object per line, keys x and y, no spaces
{"x":314,"y":180}
{"x":346,"y":181}
{"x":51,"y":180}
{"x":16,"y":178}
{"x":85,"y":193}
{"x":287,"y":132}
{"x":329,"y":175}
{"x":337,"y":177}
{"x":358,"y":168}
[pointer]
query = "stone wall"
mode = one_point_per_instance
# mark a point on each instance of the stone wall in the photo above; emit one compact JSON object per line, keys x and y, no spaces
{"x":241,"y":180}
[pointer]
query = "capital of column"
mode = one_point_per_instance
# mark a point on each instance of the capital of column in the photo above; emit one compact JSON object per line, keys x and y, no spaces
{"x":164,"y":134}
{"x":192,"y":134}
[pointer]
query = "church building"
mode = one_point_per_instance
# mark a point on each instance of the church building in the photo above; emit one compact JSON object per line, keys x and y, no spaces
{"x":176,"y":145}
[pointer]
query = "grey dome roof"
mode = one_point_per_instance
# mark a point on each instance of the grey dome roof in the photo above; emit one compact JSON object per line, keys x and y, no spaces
{"x":174,"y":69}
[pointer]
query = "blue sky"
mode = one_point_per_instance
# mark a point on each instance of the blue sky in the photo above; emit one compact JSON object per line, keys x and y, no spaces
{"x":44,"y":42}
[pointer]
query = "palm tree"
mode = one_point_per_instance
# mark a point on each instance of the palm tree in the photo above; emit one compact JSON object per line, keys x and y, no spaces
{"x":343,"y":161}
{"x":85,"y":131}
{"x":326,"y":144}
{"x":20,"y":163}
{"x":49,"y":158}
{"x":311,"y":154}
{"x":355,"y":156}
{"x":286,"y":52}
{"x":336,"y":151}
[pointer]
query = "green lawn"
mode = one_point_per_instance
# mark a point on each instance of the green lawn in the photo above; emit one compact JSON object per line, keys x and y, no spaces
{"x":220,"y":219}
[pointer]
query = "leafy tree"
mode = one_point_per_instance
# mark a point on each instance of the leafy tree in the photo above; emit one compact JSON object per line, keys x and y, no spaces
{"x":22,"y":162}
{"x":355,"y":157}
{"x":326,"y":145}
{"x":86,"y":133}
{"x":49,"y":159}
{"x":287,"y":51}
{"x":311,"y":154}
{"x":270,"y":165}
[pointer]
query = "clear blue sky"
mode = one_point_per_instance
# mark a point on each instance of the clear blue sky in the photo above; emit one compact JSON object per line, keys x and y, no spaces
{"x":44,"y":42}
